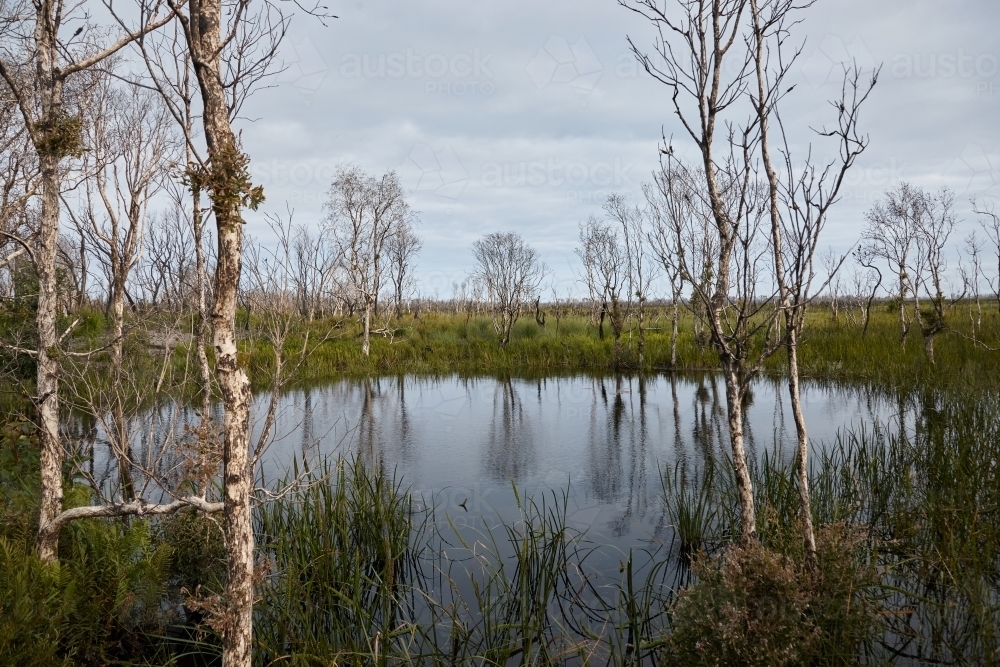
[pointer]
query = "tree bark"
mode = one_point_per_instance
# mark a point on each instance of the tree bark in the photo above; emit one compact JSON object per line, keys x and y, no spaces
{"x":47,"y":378}
{"x":673,"y":335}
{"x":234,"y":386}
{"x":903,"y":326}
{"x":204,"y":370}
{"x":121,"y":443}
{"x":366,"y":341}
{"x":792,"y":309}
{"x":802,"y":444}
{"x":744,"y":485}
{"x":227,"y":175}
{"x":641,"y":343}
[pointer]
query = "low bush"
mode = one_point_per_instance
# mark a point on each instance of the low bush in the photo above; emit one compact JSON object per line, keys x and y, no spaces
{"x":752,"y":605}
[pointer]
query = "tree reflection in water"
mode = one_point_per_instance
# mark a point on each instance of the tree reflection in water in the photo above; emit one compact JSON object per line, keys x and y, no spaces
{"x":510,"y":446}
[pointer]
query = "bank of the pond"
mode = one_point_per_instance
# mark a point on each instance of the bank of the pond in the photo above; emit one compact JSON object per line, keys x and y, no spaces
{"x":835,"y":349}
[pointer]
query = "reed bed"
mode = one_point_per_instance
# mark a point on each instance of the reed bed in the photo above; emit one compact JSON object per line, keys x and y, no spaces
{"x":909,"y":572}
{"x":920,"y":502}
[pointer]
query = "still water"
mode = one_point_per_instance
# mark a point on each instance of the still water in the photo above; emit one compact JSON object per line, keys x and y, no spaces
{"x":462,"y":443}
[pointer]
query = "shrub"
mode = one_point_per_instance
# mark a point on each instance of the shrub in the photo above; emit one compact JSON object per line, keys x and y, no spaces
{"x":99,"y":605}
{"x":753,"y":605}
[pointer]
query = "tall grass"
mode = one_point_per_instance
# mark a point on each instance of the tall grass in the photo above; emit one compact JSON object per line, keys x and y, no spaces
{"x":923,"y":501}
{"x":358,"y":576}
{"x":440,"y":343}
{"x":342,"y":547}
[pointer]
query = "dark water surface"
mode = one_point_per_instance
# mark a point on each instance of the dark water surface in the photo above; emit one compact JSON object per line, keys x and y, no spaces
{"x":606,"y":440}
{"x":461,"y":444}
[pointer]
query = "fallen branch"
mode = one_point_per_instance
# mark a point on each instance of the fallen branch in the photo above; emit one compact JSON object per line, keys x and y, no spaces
{"x":137,"y":507}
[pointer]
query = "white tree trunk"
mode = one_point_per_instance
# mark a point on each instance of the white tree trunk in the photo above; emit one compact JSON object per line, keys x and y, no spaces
{"x":802,"y":444}
{"x":227,"y":171}
{"x":366,"y":341}
{"x":204,"y":370}
{"x":673,"y":335}
{"x":120,"y":438}
{"x":744,"y":485}
{"x":47,"y":379}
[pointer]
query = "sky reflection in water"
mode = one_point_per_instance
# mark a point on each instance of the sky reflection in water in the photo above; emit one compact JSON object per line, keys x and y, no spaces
{"x":604,"y":439}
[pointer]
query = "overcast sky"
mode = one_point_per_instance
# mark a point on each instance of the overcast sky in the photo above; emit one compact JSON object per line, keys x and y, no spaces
{"x":523,"y":115}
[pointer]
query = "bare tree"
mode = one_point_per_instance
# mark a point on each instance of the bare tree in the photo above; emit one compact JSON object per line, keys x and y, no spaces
{"x":18,"y":181}
{"x":799,"y":199}
{"x":309,"y":262}
{"x":864,"y":288}
{"x":167,"y":278}
{"x":725,"y":63}
{"x":130,"y":152}
{"x":680,"y":239}
{"x":971,"y":283}
{"x":831,"y":264}
{"x":989,"y":220}
{"x":890,"y":237}
{"x":171,"y":74}
{"x":402,"y":250}
{"x":639,"y":272}
{"x":232,"y":49}
{"x":934,"y":226}
{"x":696,"y":60}
{"x":44,"y":71}
{"x":510,"y":272}
{"x":605,"y":271}
{"x":872,"y":281}
{"x":363,"y":214}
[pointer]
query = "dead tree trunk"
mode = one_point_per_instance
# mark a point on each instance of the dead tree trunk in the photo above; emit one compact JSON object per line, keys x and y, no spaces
{"x":47,"y":377}
{"x":227,"y":181}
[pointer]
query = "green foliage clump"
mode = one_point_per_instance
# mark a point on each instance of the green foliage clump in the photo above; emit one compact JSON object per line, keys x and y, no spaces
{"x":99,"y":605}
{"x":106,"y":601}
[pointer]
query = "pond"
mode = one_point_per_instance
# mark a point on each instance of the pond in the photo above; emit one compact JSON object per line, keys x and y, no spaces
{"x":469,"y":450}
{"x":462,"y":443}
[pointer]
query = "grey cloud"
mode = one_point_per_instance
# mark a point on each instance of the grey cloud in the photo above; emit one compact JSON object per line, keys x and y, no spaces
{"x":514,"y":115}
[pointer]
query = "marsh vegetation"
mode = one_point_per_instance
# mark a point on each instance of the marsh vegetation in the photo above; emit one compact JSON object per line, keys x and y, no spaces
{"x":683,"y":503}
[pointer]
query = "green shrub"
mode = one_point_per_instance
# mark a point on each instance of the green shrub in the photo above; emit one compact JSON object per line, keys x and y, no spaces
{"x":99,"y":605}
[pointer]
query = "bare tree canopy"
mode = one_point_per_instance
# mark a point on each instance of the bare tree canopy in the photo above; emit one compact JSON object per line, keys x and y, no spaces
{"x":605,"y":272}
{"x":511,"y":273}
{"x":364,"y":214}
{"x":889,"y":237}
{"x":725,"y":65}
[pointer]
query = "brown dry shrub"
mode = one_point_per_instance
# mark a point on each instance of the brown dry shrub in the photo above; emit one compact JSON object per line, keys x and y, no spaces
{"x":752,"y":605}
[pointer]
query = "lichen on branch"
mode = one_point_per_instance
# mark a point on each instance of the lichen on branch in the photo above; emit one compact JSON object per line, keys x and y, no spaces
{"x":227,"y":180}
